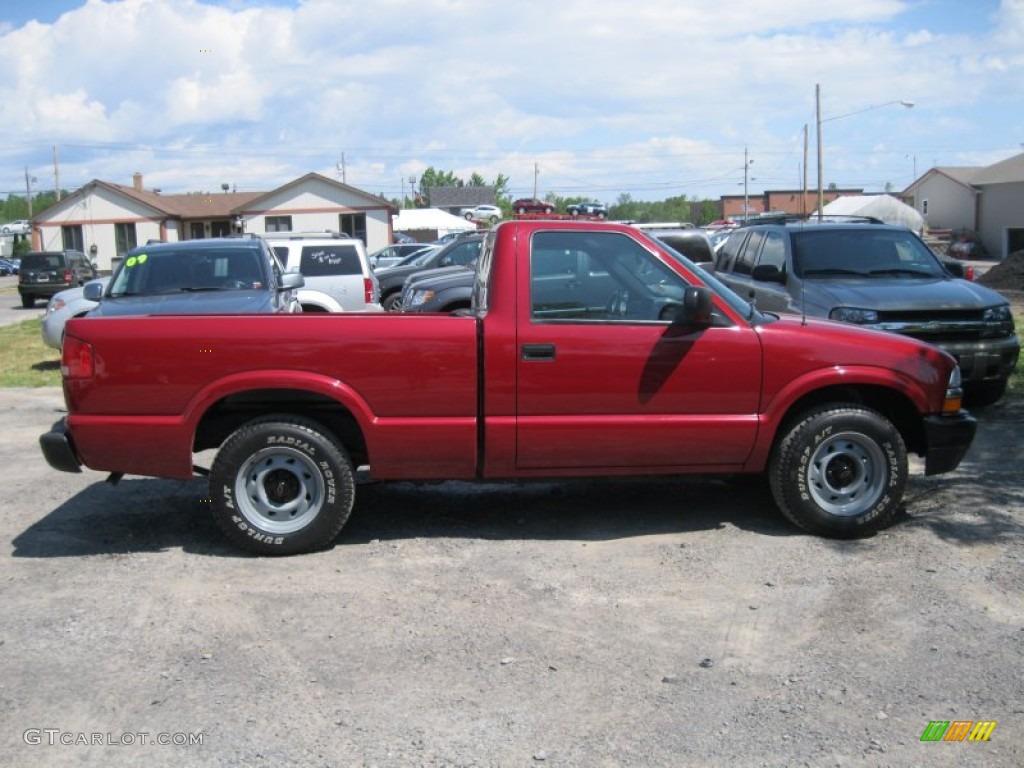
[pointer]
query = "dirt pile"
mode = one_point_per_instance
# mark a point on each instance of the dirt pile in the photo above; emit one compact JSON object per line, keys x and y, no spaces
{"x":1007,"y":275}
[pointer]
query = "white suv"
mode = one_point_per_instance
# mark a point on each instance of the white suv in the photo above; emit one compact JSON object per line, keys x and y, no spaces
{"x":331,"y":263}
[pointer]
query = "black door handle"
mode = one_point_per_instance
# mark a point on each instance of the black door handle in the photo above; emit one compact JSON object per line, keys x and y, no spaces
{"x":538,"y":352}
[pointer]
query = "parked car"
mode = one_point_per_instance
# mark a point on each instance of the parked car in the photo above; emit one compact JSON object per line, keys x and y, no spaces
{"x":45,"y":273}
{"x":448,"y":237}
{"x":694,"y":244}
{"x":331,"y":263}
{"x":8,"y":267}
{"x":65,"y":305}
{"x":587,"y":209}
{"x":878,"y":276}
{"x":390,"y":255}
{"x":19,"y":227}
{"x":401,"y":237}
{"x":458,"y":252}
{"x":445,"y":289}
{"x":532,"y":205}
{"x":189,"y":277}
{"x":491,"y":213}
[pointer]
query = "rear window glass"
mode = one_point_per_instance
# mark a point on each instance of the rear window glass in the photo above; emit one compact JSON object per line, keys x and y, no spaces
{"x":42,"y":261}
{"x":320,"y":260}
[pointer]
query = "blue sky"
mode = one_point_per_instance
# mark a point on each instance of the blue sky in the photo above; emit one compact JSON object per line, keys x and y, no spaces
{"x":653,"y":98}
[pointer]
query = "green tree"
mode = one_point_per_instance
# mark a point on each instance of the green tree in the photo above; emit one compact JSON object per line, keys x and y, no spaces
{"x":435,"y":178}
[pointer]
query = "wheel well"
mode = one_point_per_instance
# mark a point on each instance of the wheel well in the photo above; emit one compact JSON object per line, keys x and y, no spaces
{"x":228,"y":414}
{"x":313,"y":308}
{"x":895,"y":406}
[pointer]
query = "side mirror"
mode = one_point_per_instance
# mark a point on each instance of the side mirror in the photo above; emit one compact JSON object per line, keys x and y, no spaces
{"x":694,"y":311}
{"x":92,"y":292}
{"x":768,"y":273}
{"x":292,"y":280}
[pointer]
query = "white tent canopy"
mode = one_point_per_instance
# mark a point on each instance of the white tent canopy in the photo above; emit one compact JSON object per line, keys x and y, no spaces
{"x":432,"y":219}
{"x":884,"y":207}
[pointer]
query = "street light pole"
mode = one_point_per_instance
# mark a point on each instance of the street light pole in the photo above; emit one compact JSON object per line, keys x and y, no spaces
{"x":819,"y":121}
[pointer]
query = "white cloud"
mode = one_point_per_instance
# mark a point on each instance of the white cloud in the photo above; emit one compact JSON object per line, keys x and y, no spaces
{"x":604,"y":95}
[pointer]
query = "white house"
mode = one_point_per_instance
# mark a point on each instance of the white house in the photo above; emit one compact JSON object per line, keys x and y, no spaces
{"x":106,"y":220}
{"x":988,"y":200}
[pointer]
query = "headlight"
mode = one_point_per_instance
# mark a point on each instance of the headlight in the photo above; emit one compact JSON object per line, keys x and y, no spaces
{"x":419,"y":297}
{"x":54,"y":305}
{"x":954,"y":392}
{"x":1000,"y":314}
{"x":854,"y":315}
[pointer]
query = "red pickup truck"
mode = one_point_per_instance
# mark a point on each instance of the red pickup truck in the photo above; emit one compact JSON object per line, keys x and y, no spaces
{"x":590,"y":350}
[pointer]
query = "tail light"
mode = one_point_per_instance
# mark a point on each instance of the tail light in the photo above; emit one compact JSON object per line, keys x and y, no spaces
{"x":67,"y":275}
{"x":368,"y":290}
{"x":76,"y":359}
{"x":969,"y":273}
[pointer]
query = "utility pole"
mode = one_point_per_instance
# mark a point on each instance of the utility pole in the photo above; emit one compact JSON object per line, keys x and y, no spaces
{"x":817,"y":120}
{"x":28,"y":192}
{"x":56,"y":173}
{"x":536,"y":170}
{"x":747,"y":162}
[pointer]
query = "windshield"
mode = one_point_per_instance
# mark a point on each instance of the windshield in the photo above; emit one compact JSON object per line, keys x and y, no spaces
{"x":863,"y":252}
{"x":184,"y":269}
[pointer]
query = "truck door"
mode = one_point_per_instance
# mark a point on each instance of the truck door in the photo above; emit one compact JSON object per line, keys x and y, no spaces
{"x":604,"y":381}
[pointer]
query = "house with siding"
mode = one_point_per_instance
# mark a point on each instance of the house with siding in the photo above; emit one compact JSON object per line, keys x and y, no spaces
{"x":106,"y":219}
{"x":986,"y":200}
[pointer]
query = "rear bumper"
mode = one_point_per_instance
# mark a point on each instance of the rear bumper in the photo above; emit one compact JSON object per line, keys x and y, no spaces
{"x":947,"y":438}
{"x":58,"y":450}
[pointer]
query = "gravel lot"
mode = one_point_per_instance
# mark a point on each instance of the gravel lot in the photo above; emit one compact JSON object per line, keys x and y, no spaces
{"x":601,"y":623}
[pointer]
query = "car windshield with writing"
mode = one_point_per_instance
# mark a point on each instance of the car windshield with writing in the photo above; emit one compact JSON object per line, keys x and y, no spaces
{"x":220,"y":269}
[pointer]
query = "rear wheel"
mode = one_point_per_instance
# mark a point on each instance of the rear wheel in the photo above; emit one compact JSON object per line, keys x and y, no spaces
{"x":840,"y":472}
{"x":281,"y":485}
{"x":28,"y":301}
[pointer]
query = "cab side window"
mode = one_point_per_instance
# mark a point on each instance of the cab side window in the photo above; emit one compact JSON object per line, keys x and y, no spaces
{"x":599,"y":277}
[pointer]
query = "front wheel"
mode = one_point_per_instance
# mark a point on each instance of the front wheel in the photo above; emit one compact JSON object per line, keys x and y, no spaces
{"x":390,"y":302}
{"x":840,"y":472}
{"x":281,"y":485}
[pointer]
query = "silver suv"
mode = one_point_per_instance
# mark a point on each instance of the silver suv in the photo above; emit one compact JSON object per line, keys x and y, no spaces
{"x":331,"y":263}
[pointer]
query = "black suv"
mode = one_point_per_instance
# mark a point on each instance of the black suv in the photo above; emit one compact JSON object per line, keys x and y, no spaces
{"x":879,"y":276}
{"x":459,"y":252}
{"x":44,"y":273}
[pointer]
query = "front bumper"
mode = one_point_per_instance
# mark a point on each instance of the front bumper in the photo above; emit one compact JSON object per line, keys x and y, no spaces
{"x":947,"y":439}
{"x":990,"y":360}
{"x":59,"y":450}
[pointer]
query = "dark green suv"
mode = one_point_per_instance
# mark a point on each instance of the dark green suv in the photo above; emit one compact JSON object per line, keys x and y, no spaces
{"x":44,"y":273}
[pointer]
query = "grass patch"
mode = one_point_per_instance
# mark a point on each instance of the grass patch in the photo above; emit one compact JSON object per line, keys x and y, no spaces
{"x":24,"y":360}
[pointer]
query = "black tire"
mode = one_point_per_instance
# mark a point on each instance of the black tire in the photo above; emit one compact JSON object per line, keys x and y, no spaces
{"x":468,"y":216}
{"x":28,"y":301}
{"x":983,"y":393}
{"x":390,"y":302}
{"x":282,"y":485}
{"x":840,"y":472}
